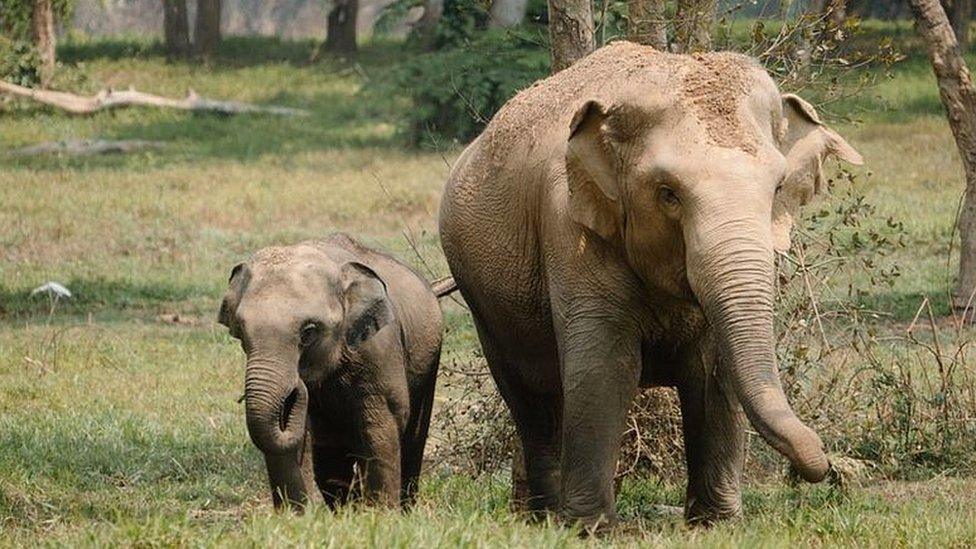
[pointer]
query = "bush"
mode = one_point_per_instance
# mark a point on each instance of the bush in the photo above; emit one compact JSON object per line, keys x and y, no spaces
{"x":19,"y":62}
{"x":455,"y":92}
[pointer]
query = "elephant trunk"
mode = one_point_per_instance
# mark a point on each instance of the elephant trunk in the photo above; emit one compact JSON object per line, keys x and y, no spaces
{"x":276,"y":403}
{"x":731,"y":273}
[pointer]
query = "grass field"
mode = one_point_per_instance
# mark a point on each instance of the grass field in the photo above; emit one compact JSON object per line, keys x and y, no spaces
{"x":118,"y":415}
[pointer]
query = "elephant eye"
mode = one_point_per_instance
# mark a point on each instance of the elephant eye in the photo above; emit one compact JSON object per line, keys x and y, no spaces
{"x":309,"y":333}
{"x":668,"y":197}
{"x":779,"y":186}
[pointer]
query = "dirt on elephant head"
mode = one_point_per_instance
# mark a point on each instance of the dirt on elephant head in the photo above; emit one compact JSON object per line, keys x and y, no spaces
{"x":273,"y":256}
{"x":708,"y":86}
{"x":715,"y":85}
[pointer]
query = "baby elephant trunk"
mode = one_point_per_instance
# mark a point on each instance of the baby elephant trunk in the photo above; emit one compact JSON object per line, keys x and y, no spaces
{"x":276,"y":403}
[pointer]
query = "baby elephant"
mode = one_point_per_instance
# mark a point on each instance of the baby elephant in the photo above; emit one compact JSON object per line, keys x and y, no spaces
{"x":350,"y":339}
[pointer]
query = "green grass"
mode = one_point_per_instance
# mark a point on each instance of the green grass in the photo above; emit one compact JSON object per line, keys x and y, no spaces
{"x":120,"y":427}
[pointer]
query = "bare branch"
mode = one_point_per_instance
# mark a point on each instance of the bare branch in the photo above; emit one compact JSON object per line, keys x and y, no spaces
{"x":111,"y":99}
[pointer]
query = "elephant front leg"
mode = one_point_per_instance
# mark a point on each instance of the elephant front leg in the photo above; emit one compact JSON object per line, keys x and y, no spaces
{"x":380,"y":460}
{"x":601,"y":369}
{"x":714,"y":430}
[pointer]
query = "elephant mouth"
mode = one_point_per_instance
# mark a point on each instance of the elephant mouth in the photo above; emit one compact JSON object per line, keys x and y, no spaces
{"x":286,"y":409}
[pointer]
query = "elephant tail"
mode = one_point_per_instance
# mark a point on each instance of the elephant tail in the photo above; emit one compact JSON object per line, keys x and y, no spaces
{"x":443,"y":286}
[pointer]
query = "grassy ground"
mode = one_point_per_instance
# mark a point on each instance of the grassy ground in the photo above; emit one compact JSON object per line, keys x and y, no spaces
{"x":118,"y":414}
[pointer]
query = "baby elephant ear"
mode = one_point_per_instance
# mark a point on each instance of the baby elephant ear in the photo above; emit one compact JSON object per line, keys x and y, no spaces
{"x":232,"y":298}
{"x":806,"y":142}
{"x":367,"y":303}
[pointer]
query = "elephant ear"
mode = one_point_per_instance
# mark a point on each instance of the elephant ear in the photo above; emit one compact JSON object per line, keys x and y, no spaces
{"x":366,"y":301}
{"x":592,"y":171}
{"x":806,"y":142}
{"x":236,"y":285}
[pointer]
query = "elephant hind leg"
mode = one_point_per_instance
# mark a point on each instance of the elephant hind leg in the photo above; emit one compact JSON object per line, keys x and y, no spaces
{"x":714,"y":430}
{"x":536,"y":468}
{"x":415,"y":435}
{"x":537,"y":417}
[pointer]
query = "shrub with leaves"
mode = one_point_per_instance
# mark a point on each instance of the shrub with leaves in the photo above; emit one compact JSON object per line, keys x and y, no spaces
{"x":18,"y":62}
{"x":455,"y":92}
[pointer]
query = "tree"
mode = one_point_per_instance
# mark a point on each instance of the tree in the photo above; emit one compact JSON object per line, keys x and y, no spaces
{"x":206,"y":35}
{"x":426,"y":27}
{"x":959,"y":99}
{"x":341,"y":29}
{"x":693,"y":25}
{"x":176,"y":29}
{"x":960,"y":14}
{"x":647,"y":23}
{"x":507,"y":13}
{"x":42,"y":32}
{"x":570,"y":32}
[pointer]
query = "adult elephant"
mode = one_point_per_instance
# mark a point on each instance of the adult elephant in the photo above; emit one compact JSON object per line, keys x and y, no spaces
{"x":614,"y":227}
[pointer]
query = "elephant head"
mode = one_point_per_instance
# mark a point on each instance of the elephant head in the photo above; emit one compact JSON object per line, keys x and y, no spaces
{"x":298,"y":313}
{"x":696,"y":184}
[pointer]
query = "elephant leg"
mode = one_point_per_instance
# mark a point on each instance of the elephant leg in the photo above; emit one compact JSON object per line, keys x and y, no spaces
{"x":601,"y":370}
{"x":380,"y":457}
{"x":537,"y":419}
{"x":415,"y":436}
{"x":714,"y":430}
{"x":333,"y":473}
{"x":537,"y":423}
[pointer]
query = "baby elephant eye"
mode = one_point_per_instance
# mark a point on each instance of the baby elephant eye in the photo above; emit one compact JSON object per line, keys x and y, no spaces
{"x":310,"y":332}
{"x":668,"y":197}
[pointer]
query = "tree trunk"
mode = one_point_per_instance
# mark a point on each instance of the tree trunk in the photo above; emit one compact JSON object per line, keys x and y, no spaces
{"x":693,"y":25}
{"x":426,"y":27}
{"x":341,"y":31}
{"x":959,"y":99}
{"x":959,"y":12}
{"x":42,"y":31}
{"x":570,"y":31}
{"x":647,"y":23}
{"x":206,"y":35}
{"x":507,"y":13}
{"x":176,"y":29}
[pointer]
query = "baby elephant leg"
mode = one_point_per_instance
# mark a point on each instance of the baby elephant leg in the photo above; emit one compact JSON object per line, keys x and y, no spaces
{"x":333,"y":473}
{"x":380,"y":455}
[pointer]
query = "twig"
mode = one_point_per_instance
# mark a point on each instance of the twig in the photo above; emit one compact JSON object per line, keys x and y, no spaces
{"x":813,"y":298}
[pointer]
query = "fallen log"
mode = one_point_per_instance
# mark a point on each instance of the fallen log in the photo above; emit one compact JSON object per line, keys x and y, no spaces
{"x":86,"y":147}
{"x":110,"y":99}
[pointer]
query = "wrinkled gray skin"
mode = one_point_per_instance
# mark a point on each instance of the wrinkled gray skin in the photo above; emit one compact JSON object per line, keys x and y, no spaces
{"x":614,"y":227}
{"x":345,"y":342}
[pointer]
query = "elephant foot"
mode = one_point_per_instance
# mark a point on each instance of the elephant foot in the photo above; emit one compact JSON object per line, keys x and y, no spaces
{"x":590,"y":520}
{"x":702,"y":513}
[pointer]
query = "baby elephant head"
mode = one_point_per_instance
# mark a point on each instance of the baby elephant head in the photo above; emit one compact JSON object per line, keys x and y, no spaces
{"x":298,"y":313}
